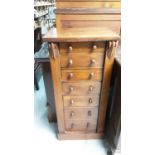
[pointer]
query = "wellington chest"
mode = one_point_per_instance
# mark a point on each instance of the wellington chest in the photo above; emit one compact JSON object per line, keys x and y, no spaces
{"x":81,"y":63}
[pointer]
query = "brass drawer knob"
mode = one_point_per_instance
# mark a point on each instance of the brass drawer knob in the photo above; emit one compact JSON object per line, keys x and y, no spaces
{"x":70,"y":63}
{"x":91,"y":75}
{"x":90,"y":100}
{"x":89,"y":113}
{"x":70,"y":76}
{"x":94,"y":47}
{"x":71,"y":102}
{"x":72,"y":113}
{"x":88,"y":125}
{"x":71,"y":89}
{"x":72,"y":125}
{"x":93,"y":61}
{"x":90,"y":88}
{"x":70,"y":48}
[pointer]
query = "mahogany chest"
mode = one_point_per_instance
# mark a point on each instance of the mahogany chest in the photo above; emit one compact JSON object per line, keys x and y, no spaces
{"x":81,"y":64}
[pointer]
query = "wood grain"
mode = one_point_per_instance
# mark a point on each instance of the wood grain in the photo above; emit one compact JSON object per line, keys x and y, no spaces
{"x":80,"y":101}
{"x":81,"y":125}
{"x":81,"y":88}
{"x":78,"y":75}
{"x":89,"y":4}
{"x":83,"y":34}
{"x":80,"y":136}
{"x":87,"y":11}
{"x":56,"y":77}
{"x":84,"y":47}
{"x":81,"y":60}
{"x":74,"y":113}
{"x":105,"y":90}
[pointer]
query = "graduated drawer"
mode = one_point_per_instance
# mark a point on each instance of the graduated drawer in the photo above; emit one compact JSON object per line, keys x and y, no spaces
{"x":81,"y":88}
{"x":81,"y":113}
{"x":79,"y":101}
{"x":86,"y":47}
{"x":81,"y":125}
{"x":82,"y":59}
{"x":85,"y":74}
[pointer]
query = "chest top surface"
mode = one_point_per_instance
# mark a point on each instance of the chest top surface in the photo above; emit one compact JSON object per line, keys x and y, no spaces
{"x":80,"y":34}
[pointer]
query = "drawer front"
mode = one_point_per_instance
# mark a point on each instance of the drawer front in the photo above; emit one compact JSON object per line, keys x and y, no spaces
{"x":81,"y":113}
{"x":99,"y":4}
{"x":81,"y":125}
{"x":80,"y":101}
{"x":76,"y":60}
{"x":74,"y":75}
{"x":86,"y":47}
{"x":81,"y":88}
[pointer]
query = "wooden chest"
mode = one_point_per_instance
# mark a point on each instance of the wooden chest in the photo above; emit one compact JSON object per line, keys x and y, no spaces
{"x":81,"y":64}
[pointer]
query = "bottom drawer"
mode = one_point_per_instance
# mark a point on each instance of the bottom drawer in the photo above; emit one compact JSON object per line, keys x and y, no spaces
{"x":81,"y":125}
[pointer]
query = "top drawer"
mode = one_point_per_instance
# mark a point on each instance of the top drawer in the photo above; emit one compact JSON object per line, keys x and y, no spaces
{"x":87,"y":47}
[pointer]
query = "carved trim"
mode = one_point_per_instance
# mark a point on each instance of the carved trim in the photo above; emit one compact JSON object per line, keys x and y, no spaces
{"x":110,"y":46}
{"x":54,"y":50}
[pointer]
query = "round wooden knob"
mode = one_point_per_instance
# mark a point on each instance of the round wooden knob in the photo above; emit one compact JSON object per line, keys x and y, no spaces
{"x":70,"y":48}
{"x":91,"y":75}
{"x":71,"y":89}
{"x":72,"y":125}
{"x":70,"y":62}
{"x":90,"y":100}
{"x":93,"y":61}
{"x":70,"y":76}
{"x":88,"y":125}
{"x":72,"y":113}
{"x":94,"y":47}
{"x":71,"y":101}
{"x":90,"y":88}
{"x":89,"y":113}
